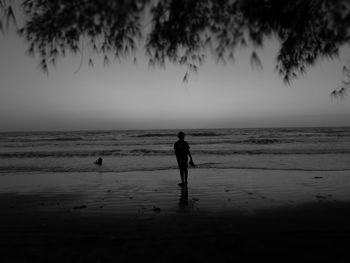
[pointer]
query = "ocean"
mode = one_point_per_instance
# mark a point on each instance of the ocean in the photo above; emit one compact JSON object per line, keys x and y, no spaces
{"x":294,"y":149}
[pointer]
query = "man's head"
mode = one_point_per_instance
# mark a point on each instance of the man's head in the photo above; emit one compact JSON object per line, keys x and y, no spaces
{"x":181,"y":135}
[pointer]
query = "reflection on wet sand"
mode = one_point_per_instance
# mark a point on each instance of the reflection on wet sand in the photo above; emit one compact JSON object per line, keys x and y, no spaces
{"x":183,"y":201}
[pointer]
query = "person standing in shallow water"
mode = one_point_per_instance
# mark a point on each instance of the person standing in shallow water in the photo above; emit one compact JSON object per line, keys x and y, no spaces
{"x":182,"y":151}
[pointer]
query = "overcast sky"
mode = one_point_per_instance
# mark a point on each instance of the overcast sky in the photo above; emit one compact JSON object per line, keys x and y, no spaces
{"x":128,"y":96}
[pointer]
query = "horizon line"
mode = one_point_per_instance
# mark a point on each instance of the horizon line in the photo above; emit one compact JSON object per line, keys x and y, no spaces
{"x":184,"y":129}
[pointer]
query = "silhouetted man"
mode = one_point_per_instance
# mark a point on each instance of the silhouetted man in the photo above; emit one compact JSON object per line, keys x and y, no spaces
{"x":182,"y":151}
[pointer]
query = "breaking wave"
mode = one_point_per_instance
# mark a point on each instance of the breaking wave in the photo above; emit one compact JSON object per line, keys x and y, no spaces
{"x":170,"y":152}
{"x":58,"y":169}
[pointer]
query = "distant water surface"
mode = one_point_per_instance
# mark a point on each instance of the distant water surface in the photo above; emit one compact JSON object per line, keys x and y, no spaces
{"x":309,"y":149}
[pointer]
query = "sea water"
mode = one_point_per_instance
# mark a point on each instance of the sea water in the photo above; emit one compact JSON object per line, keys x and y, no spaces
{"x":236,"y":169}
{"x":309,"y":149}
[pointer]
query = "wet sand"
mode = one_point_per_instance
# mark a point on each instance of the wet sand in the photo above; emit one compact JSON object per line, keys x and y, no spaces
{"x":225,"y":215}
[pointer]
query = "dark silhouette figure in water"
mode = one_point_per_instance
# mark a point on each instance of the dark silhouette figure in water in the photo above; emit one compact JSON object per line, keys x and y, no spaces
{"x":98,"y":161}
{"x":182,"y":151}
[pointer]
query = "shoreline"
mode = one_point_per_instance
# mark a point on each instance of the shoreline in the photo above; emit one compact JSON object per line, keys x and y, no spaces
{"x":209,"y":190}
{"x":226,"y":215}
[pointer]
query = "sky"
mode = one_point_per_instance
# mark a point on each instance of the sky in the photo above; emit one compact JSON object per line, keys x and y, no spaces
{"x":132,"y":96}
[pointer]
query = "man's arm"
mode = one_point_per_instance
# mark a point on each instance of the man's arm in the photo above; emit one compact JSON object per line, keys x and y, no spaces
{"x":188,"y":152}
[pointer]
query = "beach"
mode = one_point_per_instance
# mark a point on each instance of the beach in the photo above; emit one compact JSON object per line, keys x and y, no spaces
{"x":133,"y":217}
{"x":174,"y":131}
{"x":280,"y":195}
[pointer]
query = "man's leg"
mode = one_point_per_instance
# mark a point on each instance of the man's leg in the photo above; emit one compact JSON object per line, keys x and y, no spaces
{"x":185,"y":175}
{"x":182,"y":175}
